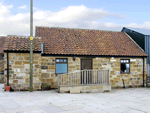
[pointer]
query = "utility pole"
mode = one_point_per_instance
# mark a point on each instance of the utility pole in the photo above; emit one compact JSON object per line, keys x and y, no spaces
{"x":31,"y":45}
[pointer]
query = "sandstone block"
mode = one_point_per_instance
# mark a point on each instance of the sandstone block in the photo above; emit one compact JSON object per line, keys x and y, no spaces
{"x":37,"y":87}
{"x":44,"y":63}
{"x":18,"y":54}
{"x":44,"y":67}
{"x":22,"y":74}
{"x":27,"y":80}
{"x":37,"y":66}
{"x":35,"y":62}
{"x":16,"y":70}
{"x":19,"y":77}
{"x":51,"y":67}
{"x":73,"y":91}
{"x":26,"y":58}
{"x":18,"y":62}
{"x":21,"y":81}
{"x":26,"y":62}
{"x":49,"y":80}
{"x":20,"y":58}
{"x":15,"y":81}
{"x":26,"y":54}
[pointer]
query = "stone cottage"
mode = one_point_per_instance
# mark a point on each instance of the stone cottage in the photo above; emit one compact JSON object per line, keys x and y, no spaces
{"x":64,"y":50}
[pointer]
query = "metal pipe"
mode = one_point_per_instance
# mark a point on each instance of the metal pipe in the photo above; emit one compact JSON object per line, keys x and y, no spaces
{"x":41,"y":47}
{"x":31,"y":45}
{"x":7,"y":68}
{"x":143,"y":70}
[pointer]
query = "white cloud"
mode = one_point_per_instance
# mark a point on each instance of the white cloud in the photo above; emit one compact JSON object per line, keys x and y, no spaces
{"x":10,"y":6}
{"x":23,"y":7}
{"x":72,"y":17}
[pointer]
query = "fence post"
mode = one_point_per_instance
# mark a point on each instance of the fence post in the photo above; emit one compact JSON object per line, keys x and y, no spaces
{"x":58,"y":82}
{"x":73,"y":78}
{"x":98,"y":78}
{"x":109,"y":76}
{"x":58,"y":79}
{"x":68,"y":79}
{"x":85,"y":76}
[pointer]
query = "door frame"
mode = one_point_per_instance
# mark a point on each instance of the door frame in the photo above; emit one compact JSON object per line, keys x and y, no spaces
{"x":91,"y":69}
{"x":86,"y":59}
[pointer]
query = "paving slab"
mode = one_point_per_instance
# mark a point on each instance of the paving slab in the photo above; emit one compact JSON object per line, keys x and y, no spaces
{"x":132,"y":100}
{"x":1,"y":110}
{"x":92,"y":110}
{"x":119,"y":109}
{"x":72,"y":107}
{"x":74,"y":111}
{"x":51,"y":108}
{"x":133,"y":111}
{"x":29,"y":109}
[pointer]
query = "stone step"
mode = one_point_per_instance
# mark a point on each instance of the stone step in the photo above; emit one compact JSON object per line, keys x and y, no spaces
{"x":73,"y":91}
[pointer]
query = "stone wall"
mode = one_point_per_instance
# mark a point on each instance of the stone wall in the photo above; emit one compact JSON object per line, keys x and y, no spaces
{"x":133,"y":79}
{"x":19,"y":74}
{"x":44,"y":70}
{"x":48,"y":69}
{"x":1,"y":69}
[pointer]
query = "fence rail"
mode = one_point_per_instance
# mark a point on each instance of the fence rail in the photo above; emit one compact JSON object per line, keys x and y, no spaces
{"x":83,"y":77}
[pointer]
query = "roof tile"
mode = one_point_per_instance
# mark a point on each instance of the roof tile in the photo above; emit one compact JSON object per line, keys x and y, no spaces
{"x":2,"y":43}
{"x":87,"y":42}
{"x":22,"y":43}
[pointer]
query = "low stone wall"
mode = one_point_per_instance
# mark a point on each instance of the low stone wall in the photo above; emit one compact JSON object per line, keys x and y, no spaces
{"x":95,"y":88}
{"x":19,"y":70}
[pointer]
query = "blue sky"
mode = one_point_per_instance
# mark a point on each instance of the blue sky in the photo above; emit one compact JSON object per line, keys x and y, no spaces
{"x":88,"y":14}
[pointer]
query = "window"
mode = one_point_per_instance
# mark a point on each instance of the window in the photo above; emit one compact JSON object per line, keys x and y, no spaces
{"x":61,"y":65}
{"x":125,"y":66}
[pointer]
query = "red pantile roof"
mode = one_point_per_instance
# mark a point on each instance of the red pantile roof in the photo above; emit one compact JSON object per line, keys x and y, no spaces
{"x":2,"y":43}
{"x":87,"y":42}
{"x":21,"y":43}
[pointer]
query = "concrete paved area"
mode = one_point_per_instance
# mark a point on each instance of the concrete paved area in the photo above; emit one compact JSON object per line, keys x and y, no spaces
{"x":133,"y":100}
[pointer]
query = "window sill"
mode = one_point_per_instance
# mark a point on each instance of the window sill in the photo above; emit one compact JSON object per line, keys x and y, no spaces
{"x":124,"y":73}
{"x":59,"y":73}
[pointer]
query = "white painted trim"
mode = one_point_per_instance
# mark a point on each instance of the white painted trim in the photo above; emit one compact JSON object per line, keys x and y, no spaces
{"x":134,"y":42}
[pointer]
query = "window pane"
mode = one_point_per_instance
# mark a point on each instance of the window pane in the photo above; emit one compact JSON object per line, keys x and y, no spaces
{"x":61,"y":68}
{"x":123,"y":67}
{"x":121,"y":61}
{"x":57,"y":60}
{"x":65,"y":60}
{"x":127,"y":65}
{"x":61,"y":60}
{"x":127,"y":70}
